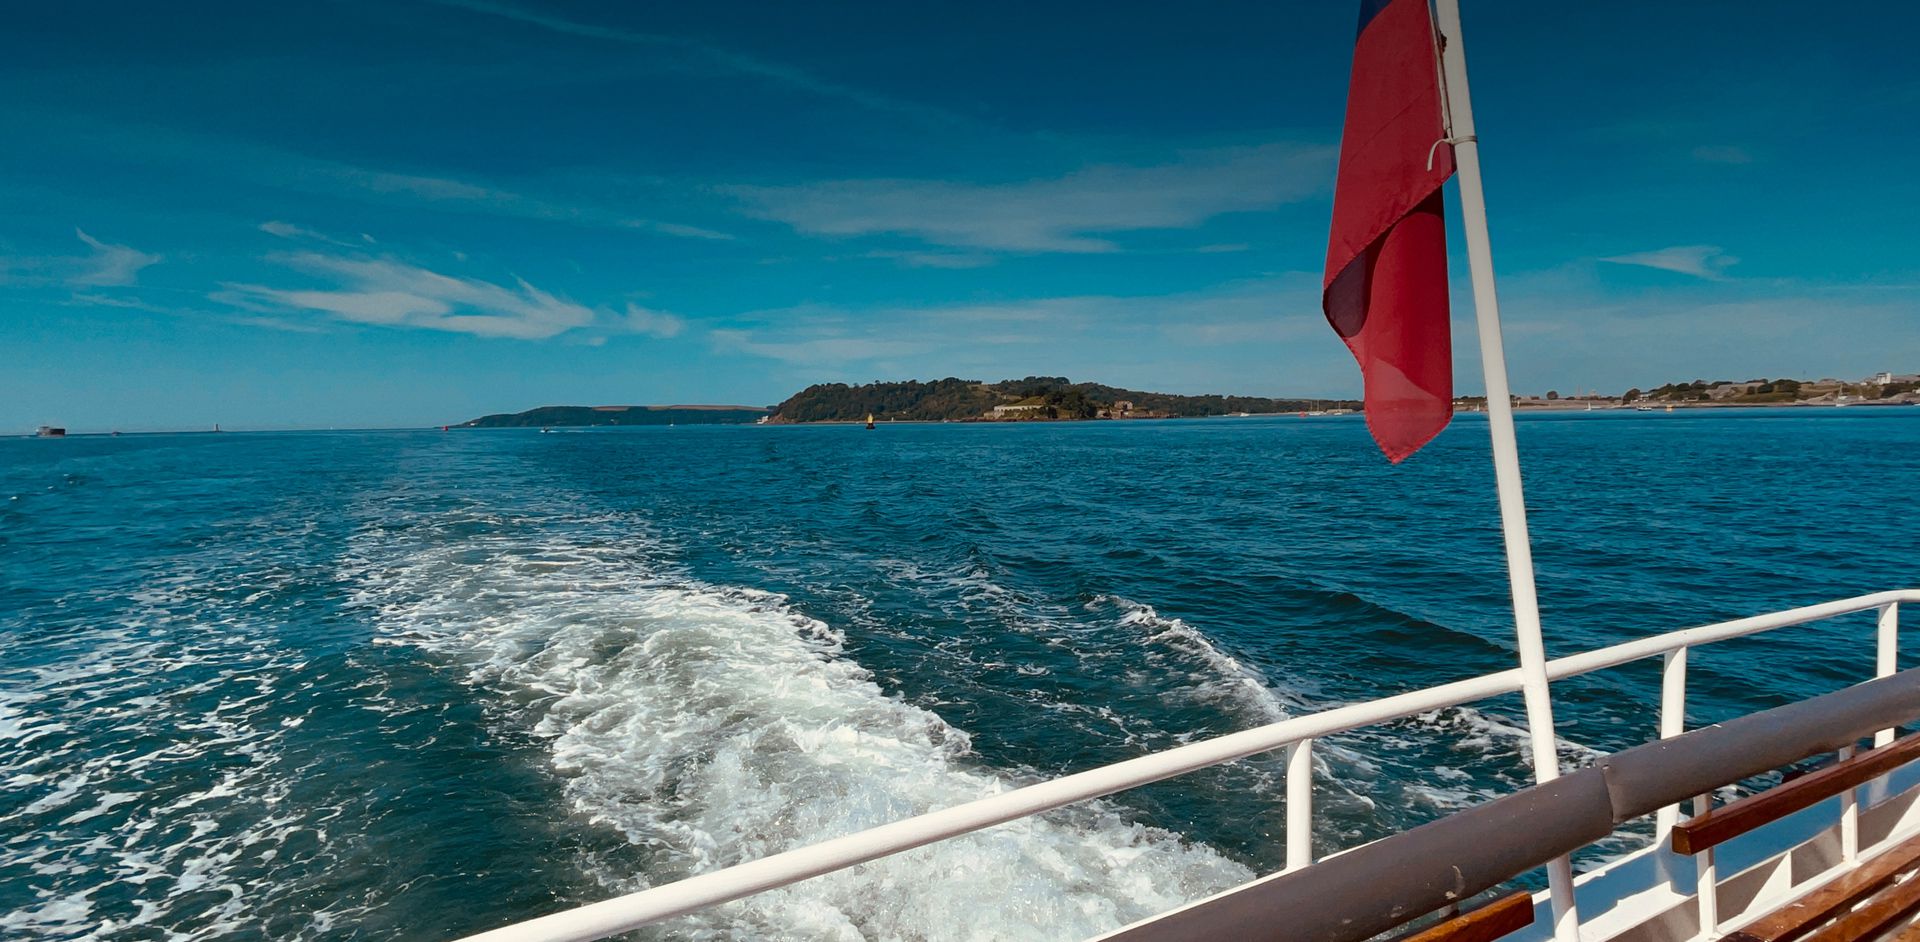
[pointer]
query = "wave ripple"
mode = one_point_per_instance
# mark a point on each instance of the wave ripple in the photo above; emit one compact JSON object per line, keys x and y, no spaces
{"x":711,"y":725}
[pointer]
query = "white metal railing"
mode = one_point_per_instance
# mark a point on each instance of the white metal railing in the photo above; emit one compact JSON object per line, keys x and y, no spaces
{"x":1673,"y":686}
{"x":608,"y":917}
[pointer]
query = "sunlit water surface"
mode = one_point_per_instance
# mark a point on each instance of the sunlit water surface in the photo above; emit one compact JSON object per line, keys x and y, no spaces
{"x":406,"y":685}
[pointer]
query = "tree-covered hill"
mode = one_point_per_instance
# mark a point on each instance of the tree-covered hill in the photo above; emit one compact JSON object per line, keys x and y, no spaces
{"x":837,"y":402}
{"x":1045,"y":396}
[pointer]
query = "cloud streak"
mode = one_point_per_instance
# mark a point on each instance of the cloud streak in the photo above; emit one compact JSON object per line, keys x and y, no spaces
{"x":652,"y":323}
{"x":1700,"y":261}
{"x":711,"y":55}
{"x":394,"y":294}
{"x":297,"y":233}
{"x":241,"y":160}
{"x":469,"y":196}
{"x":815,"y":352}
{"x":111,"y":265}
{"x":1064,"y":214}
{"x":1262,"y":310}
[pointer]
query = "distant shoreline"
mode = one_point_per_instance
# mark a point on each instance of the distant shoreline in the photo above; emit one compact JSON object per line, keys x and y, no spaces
{"x":1522,"y":409}
{"x":1580,"y":405}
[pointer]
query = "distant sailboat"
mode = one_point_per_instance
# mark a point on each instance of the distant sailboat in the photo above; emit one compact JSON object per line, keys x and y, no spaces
{"x":869,"y":420}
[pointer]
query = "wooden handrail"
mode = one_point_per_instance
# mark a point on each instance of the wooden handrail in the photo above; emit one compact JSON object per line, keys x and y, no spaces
{"x":1481,"y":924}
{"x":1738,"y":817}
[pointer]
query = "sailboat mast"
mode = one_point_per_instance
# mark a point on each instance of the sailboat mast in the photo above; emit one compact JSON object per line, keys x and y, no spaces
{"x":1506,"y":451}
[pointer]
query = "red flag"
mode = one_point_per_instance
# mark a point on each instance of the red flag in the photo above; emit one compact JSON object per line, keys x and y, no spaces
{"x":1386,"y":282}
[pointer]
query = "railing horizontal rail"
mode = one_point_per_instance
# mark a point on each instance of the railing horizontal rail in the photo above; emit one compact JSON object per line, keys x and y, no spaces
{"x":1374,"y":888}
{"x":609,"y":917}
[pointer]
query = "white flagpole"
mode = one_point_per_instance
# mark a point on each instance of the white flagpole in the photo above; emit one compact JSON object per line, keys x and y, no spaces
{"x":1506,"y":453}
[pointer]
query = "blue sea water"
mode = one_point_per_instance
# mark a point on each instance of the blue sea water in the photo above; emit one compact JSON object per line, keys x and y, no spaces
{"x":408,"y":685}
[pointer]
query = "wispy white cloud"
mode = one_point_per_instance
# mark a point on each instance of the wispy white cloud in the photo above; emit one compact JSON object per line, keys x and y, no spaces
{"x":1700,"y":261}
{"x":492,"y":200}
{"x":932,"y":259}
{"x":677,"y":229}
{"x":652,"y":323}
{"x":941,"y":338}
{"x":711,"y":56}
{"x":286,"y":230}
{"x":91,"y":299}
{"x":111,"y":265}
{"x":577,"y":200}
{"x":396,"y":294}
{"x":1062,"y":214}
{"x":1261,"y":336}
{"x":1677,"y":335}
{"x":818,"y":351}
{"x":130,"y":303}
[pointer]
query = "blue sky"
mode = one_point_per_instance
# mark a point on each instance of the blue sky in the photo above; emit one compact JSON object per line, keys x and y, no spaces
{"x":411,"y":213}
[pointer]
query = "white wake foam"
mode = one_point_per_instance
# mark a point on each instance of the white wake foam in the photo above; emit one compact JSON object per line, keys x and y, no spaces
{"x":1176,"y":647}
{"x":126,"y":831}
{"x":714,"y":725}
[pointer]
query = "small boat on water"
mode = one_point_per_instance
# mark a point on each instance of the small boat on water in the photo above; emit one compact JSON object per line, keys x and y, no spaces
{"x":49,"y":431}
{"x":869,"y":420}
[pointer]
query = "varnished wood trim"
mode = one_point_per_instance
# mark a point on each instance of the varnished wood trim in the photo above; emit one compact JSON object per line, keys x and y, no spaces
{"x":1483,"y":924}
{"x":1733,"y":819}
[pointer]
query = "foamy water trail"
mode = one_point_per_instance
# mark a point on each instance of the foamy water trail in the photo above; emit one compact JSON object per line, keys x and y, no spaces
{"x":1183,"y":664}
{"x":1481,"y":755}
{"x":1206,"y":672}
{"x":151,"y":800}
{"x":711,"y":725}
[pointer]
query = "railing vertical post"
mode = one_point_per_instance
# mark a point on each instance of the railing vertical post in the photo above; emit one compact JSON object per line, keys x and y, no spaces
{"x":1300,"y":804}
{"x":1887,"y":655}
{"x":1706,"y":891}
{"x":1673,"y":722}
{"x":1535,"y":691}
{"x":1886,"y":661}
{"x":1849,"y":816}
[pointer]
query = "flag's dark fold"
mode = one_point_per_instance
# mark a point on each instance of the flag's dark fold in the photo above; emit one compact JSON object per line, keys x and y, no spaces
{"x":1385,"y":289}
